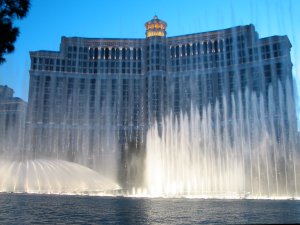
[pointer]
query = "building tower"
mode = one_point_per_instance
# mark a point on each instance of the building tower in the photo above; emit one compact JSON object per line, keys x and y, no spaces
{"x":156,"y":68}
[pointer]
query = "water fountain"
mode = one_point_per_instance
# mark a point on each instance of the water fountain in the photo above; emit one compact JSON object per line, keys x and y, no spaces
{"x":249,"y":151}
{"x":250,"y":154}
{"x":44,"y":176}
{"x":60,"y":163}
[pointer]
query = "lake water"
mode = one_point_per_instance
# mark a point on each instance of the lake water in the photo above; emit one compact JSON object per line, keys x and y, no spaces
{"x":54,"y":209}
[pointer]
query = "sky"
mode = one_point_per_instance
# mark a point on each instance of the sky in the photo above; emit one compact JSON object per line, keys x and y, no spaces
{"x":49,"y":20}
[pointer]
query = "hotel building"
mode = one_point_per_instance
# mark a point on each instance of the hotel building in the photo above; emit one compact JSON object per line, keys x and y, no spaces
{"x":92,"y":85}
{"x":12,"y":121}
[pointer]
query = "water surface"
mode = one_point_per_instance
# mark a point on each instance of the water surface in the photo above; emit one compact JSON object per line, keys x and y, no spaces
{"x":51,"y":209}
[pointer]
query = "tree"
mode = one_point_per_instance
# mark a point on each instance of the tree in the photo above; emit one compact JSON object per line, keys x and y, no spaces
{"x":9,"y":11}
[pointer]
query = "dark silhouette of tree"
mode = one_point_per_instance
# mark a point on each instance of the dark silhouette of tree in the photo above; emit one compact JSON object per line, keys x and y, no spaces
{"x":9,"y":11}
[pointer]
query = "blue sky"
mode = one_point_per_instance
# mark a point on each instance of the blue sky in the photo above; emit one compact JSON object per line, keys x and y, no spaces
{"x":48,"y":20}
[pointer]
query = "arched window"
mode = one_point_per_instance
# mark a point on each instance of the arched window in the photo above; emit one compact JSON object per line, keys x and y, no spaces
{"x":205,"y":47}
{"x":194,"y":48}
{"x":209,"y":46}
{"x":188,"y":50}
{"x":102,"y":53}
{"x":106,"y":53}
{"x":128,"y":53}
{"x":139,"y":54}
{"x":118,"y":53}
{"x":113,"y":53}
{"x":96,"y":53}
{"x":91,"y":53}
{"x":177,"y":51}
{"x":172,"y":52}
{"x":134,"y":53}
{"x":199,"y":48}
{"x":216,"y":46}
{"x":123,"y":53}
{"x":183,"y":50}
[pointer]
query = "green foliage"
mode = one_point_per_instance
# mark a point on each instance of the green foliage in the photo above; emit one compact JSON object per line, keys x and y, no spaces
{"x":9,"y":11}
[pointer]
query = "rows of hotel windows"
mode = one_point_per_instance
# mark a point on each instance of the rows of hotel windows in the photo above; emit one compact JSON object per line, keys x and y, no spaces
{"x":210,"y":87}
{"x":217,"y":54}
{"x":93,"y":61}
{"x":115,"y":53}
{"x":156,"y":57}
{"x":183,"y":57}
{"x":83,"y":98}
{"x":209,"y":46}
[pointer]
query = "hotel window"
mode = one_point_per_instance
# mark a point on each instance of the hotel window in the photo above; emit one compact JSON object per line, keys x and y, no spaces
{"x":128,"y":53}
{"x":221,"y":45}
{"x":134,"y":54}
{"x":228,"y":43}
{"x":265,"y":52}
{"x":255,"y":79}
{"x":209,"y":47}
{"x":82,"y":86}
{"x":220,"y":83}
{"x":276,"y":50}
{"x":106,"y":53}
{"x":250,"y":54}
{"x":231,"y":81}
{"x":103,"y":90}
{"x":123,"y":53}
{"x":139,"y":54}
{"x":216,"y":46}
{"x":205,"y":47}
{"x":229,"y":59}
{"x":96,"y":53}
{"x":90,"y":53}
{"x":199,"y":48}
{"x":243,"y":80}
{"x":172,"y":53}
{"x":101,"y":53}
{"x":188,"y":50}
{"x":183,"y":50}
{"x":242,"y":56}
{"x":268,"y":74}
{"x":279,"y":70}
{"x":240,"y":41}
{"x":194,"y":48}
{"x":113,"y":53}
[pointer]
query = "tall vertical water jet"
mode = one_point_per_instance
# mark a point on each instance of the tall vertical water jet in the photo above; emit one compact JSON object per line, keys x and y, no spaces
{"x":252,"y":153}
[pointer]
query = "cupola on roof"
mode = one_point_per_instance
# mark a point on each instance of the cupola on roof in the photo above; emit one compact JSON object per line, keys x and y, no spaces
{"x":156,"y":28}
